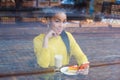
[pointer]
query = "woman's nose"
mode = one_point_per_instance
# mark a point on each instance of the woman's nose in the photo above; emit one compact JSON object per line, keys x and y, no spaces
{"x":61,"y":24}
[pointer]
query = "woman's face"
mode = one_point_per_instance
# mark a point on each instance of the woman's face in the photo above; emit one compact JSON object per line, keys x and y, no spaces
{"x":58,"y":22}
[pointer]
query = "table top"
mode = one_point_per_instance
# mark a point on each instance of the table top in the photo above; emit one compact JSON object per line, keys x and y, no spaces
{"x":110,"y":72}
{"x":47,"y":76}
{"x":61,"y":76}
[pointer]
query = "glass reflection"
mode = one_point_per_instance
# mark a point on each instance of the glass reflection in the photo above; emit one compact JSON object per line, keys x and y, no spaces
{"x":61,"y":76}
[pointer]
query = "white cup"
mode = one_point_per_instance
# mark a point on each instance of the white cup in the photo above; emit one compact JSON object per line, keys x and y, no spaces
{"x":58,"y":61}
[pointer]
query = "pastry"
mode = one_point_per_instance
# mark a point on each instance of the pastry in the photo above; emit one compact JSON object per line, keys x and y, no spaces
{"x":73,"y":69}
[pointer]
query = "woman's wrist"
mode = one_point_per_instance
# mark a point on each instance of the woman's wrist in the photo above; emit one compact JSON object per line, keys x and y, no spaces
{"x":45,"y":43}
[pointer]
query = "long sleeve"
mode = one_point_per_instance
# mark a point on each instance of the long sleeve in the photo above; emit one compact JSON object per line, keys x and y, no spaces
{"x":45,"y":56}
{"x":42,"y":54}
{"x":76,"y":51}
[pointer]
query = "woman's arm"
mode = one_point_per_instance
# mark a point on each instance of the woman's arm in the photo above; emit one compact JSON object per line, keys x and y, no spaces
{"x":81,"y":58}
{"x":76,"y":51}
{"x":42,"y":53}
{"x":42,"y":49}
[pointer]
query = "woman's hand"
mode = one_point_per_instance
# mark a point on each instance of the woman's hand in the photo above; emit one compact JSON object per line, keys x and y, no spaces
{"x":84,"y":69}
{"x":49,"y":35}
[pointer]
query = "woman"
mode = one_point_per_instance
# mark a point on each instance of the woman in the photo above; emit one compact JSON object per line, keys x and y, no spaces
{"x":46,"y":46}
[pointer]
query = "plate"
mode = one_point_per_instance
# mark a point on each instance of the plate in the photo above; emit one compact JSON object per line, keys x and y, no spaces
{"x":65,"y":71}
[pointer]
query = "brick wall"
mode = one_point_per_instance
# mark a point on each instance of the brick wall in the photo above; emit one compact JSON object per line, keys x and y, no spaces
{"x":29,"y":4}
{"x":7,"y":4}
{"x":7,"y":20}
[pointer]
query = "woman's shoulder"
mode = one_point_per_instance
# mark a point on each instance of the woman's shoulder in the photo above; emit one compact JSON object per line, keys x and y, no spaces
{"x":68,"y":33}
{"x":71,"y":37}
{"x":39,"y":37}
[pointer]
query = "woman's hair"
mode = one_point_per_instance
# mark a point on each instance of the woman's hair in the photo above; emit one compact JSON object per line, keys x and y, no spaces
{"x":50,"y":13}
{"x":54,"y":13}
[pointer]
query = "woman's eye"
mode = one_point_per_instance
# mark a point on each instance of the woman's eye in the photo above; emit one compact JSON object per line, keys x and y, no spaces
{"x":57,"y":21}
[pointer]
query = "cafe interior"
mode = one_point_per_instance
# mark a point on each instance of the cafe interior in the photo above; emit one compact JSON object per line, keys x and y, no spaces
{"x":94,"y":23}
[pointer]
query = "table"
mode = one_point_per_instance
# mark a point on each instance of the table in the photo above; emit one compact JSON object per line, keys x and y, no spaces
{"x":47,"y":76}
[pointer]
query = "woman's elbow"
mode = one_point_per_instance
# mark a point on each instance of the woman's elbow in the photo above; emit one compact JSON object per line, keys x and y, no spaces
{"x":43,"y":64}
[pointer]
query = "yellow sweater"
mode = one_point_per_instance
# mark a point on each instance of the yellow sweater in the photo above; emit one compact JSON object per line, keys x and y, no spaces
{"x":45,"y":56}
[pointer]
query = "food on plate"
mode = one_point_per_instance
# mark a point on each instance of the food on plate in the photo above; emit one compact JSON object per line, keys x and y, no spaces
{"x":73,"y":68}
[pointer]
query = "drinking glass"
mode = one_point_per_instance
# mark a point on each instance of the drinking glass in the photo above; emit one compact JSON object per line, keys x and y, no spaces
{"x":58,"y":61}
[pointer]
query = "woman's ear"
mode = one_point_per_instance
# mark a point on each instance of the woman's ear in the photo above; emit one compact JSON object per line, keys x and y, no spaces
{"x":48,"y":25}
{"x":48,"y":22}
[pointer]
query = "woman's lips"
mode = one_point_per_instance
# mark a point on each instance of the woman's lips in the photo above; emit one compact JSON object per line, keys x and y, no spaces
{"x":59,"y":31}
